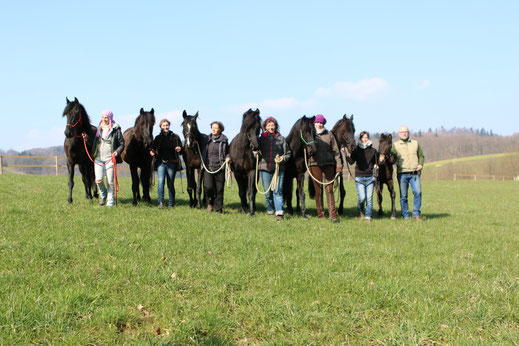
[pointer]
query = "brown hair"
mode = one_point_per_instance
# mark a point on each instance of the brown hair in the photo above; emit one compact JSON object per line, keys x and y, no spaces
{"x":270,"y":120}
{"x":363,"y":133}
{"x":220,"y":125}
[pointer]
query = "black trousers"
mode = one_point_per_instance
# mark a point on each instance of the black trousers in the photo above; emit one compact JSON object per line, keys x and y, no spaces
{"x":214,"y":186}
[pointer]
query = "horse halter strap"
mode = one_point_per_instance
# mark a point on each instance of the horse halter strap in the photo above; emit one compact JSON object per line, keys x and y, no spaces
{"x":78,"y":121}
{"x":301,"y":135}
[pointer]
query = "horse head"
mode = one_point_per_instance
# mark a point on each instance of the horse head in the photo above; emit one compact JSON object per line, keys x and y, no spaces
{"x":73,"y":112}
{"x":190,"y":128}
{"x":384,"y":147}
{"x":307,"y":133}
{"x":251,"y":127}
{"x":344,"y":131}
{"x":144,"y":124}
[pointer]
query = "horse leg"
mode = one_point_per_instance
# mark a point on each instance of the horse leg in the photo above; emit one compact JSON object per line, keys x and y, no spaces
{"x":342,"y":192}
{"x":392,"y":193}
{"x":190,"y":185}
{"x":86,"y":181}
{"x":379,"y":187}
{"x":198,"y":197}
{"x":301,"y":194}
{"x":70,"y":167}
{"x":252,"y":192}
{"x":135,"y":183}
{"x":287,"y":193}
{"x":242,"y":191}
{"x":146,"y":183}
{"x":92,"y":179}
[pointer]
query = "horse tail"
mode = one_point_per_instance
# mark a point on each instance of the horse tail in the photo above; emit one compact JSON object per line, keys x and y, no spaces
{"x":311,"y":188}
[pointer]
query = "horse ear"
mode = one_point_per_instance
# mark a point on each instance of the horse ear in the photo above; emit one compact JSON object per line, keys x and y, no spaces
{"x":196,"y":115}
{"x":351,"y":118}
{"x":141,"y":111}
{"x":257,"y":111}
{"x":312,"y":119}
{"x":390,"y":136}
{"x":75,"y":100}
{"x":344,"y":117}
{"x":67,"y":100}
{"x":152,"y":111}
{"x":382,"y":136}
{"x":184,"y":114}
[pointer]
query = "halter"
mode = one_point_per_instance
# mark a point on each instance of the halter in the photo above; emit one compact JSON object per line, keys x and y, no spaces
{"x":301,"y":135}
{"x":78,"y":121}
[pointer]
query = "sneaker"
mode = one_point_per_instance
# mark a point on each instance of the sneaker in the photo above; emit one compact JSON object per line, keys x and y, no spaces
{"x":362,"y":216}
{"x":334,"y":220}
{"x":368,"y":219}
{"x":102,"y":201}
{"x":171,"y":206}
{"x":209,"y":207}
{"x":270,"y":212}
{"x":279,"y":217}
{"x":161,"y":205}
{"x":417,"y":218}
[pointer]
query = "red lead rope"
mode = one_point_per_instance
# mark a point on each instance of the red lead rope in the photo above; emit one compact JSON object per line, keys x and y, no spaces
{"x":116,"y":182}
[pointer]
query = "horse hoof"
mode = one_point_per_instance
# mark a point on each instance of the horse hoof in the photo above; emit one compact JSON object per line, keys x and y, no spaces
{"x":70,"y":201}
{"x":134,"y":203}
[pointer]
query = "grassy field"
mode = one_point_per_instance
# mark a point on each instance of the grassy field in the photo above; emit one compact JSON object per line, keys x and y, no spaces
{"x":84,"y":274}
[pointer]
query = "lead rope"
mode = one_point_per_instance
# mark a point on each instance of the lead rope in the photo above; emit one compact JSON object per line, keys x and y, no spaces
{"x":275,"y":178}
{"x":225,"y":164}
{"x":315,"y":179}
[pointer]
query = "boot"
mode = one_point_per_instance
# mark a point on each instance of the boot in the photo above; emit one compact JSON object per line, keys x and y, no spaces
{"x":331,"y":203}
{"x":319,"y":202}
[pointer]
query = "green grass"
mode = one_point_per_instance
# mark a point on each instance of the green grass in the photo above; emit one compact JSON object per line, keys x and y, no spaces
{"x":81,"y":274}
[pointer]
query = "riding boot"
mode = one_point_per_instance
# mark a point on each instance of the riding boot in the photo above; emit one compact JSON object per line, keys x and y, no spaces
{"x":319,"y":201}
{"x":331,"y":203}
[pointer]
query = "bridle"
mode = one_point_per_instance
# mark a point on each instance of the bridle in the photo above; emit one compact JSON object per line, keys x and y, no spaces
{"x":77,"y":122}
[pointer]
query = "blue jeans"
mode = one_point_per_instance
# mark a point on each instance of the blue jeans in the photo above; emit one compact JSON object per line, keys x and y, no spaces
{"x":166,"y":169}
{"x":404,"y":180}
{"x":273,"y":199}
{"x":365,"y":187}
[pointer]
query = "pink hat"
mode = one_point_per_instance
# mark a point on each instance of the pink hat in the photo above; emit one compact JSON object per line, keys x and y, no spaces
{"x":319,"y":118}
{"x":110,"y":115}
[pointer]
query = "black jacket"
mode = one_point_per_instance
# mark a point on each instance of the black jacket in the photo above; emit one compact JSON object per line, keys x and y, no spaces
{"x":365,"y":159}
{"x":164,"y":147}
{"x":214,"y":159}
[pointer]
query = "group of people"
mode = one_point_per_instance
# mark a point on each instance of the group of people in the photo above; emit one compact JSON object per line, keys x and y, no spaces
{"x":273,"y":154}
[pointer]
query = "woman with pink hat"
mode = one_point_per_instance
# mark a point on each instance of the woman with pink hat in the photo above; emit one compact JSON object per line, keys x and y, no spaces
{"x":108,"y":142}
{"x":326,"y":161}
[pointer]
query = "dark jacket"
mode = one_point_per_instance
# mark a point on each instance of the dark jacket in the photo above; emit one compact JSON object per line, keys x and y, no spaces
{"x":214,"y":150}
{"x":116,"y":136}
{"x":270,"y":146}
{"x":164,"y":147}
{"x":365,"y":159}
{"x":327,"y":151}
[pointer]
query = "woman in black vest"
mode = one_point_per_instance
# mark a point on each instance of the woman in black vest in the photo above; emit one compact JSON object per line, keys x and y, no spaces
{"x":165,"y":148}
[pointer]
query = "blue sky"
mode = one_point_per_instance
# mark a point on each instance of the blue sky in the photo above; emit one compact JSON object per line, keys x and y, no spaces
{"x":422,"y":64}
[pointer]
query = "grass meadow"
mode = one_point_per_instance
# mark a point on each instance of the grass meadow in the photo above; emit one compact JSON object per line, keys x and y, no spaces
{"x":85,"y":274}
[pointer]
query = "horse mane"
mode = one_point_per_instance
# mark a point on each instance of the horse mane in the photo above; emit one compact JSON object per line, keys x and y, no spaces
{"x":85,"y":119}
{"x":249,"y":119}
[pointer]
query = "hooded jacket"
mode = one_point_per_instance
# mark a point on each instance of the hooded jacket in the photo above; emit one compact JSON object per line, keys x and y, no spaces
{"x":327,"y":151}
{"x":270,"y":146}
{"x":115,"y":135}
{"x":366,"y":158}
{"x":214,"y":150}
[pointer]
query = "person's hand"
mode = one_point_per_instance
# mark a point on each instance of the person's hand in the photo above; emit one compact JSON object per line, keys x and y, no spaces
{"x":278,"y":159}
{"x":228,"y":159}
{"x":84,"y":135}
{"x":343,"y":149}
{"x":339,"y":169}
{"x":375,"y":166}
{"x":419,"y":167}
{"x":177,"y":149}
{"x":255,"y":152}
{"x":115,"y":153}
{"x":152,"y":153}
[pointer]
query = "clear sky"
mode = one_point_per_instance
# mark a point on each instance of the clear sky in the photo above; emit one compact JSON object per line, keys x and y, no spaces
{"x":390,"y":63}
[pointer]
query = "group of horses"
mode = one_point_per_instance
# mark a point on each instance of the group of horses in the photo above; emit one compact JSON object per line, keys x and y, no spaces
{"x":139,"y":138}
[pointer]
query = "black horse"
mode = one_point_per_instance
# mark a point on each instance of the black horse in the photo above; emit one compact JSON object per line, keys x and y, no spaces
{"x":137,"y":144}
{"x":385,"y":172}
{"x":243,"y":162}
{"x":300,"y":137}
{"x":192,"y":158}
{"x":78,"y":122}
{"x":344,"y":132}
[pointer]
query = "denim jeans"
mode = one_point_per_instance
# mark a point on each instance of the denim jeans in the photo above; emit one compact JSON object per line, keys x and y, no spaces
{"x":101,"y":170}
{"x":365,"y":187}
{"x":166,"y":169}
{"x":404,"y":180}
{"x":273,"y":199}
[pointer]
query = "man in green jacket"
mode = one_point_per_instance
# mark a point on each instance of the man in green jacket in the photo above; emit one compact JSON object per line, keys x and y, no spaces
{"x":409,"y":163}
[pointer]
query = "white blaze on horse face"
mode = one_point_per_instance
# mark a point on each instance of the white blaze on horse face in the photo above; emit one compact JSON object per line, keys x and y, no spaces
{"x":188,"y":139}
{"x":381,"y":158}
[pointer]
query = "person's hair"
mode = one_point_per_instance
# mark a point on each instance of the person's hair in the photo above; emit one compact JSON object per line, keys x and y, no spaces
{"x":270,"y":120}
{"x":363,"y":133}
{"x":220,"y":125}
{"x":164,"y":121}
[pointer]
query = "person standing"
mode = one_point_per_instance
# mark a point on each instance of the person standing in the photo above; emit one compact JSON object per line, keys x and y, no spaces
{"x":108,"y":143}
{"x":409,"y":163}
{"x":274,"y":152}
{"x":366,"y":158}
{"x":165,"y":148}
{"x":215,"y":152}
{"x":326,"y":161}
